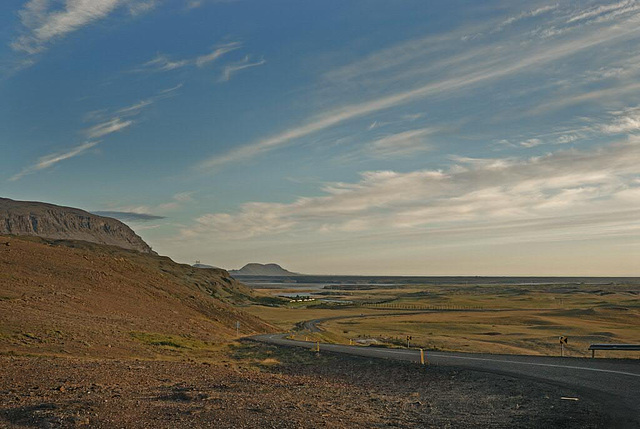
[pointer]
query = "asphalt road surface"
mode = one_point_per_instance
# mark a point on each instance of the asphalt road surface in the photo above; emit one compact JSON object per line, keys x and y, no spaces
{"x":614,"y":382}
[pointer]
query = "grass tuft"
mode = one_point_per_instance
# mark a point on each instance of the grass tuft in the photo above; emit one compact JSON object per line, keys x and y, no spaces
{"x":171,"y":341}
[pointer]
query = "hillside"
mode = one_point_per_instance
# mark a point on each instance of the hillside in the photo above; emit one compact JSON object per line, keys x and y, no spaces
{"x":254,"y":269}
{"x":66,"y":223}
{"x":78,"y":298}
{"x":205,"y":266}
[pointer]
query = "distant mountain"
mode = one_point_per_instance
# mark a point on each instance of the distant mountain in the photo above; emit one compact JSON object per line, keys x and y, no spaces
{"x":66,"y":223}
{"x":270,"y":270}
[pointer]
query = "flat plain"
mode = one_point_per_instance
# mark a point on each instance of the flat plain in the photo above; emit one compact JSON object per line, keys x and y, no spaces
{"x":511,"y":317}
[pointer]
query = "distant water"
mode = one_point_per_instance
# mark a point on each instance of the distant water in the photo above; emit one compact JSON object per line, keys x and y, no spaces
{"x":312,"y":282}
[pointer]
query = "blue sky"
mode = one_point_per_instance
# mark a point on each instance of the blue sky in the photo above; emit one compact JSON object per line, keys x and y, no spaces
{"x":346,"y":137}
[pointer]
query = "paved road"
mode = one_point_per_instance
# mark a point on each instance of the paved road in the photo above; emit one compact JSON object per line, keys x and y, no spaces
{"x":612,"y":381}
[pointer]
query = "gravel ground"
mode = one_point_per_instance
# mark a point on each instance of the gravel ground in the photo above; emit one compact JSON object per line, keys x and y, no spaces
{"x":265,"y":387}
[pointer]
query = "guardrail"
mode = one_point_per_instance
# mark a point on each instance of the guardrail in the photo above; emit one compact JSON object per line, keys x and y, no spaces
{"x":402,"y":306}
{"x":617,"y":347}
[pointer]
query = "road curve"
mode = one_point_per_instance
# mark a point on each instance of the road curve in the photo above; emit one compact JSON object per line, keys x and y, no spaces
{"x":615,"y":382}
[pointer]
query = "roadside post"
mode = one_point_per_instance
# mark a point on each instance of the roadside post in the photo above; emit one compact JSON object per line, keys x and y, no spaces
{"x":409,"y":341}
{"x":422,"y":360}
{"x":317,"y":346}
{"x":563,"y":342}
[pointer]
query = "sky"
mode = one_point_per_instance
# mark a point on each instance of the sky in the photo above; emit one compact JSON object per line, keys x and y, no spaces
{"x":336,"y":137}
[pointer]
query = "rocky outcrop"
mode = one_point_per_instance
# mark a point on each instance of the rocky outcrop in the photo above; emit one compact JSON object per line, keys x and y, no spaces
{"x":66,"y":223}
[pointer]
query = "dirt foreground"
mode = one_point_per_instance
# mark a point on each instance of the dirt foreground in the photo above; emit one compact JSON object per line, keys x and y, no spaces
{"x":259,"y":386}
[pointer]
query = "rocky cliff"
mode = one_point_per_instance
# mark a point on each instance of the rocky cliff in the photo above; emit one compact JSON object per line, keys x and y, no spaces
{"x":65,"y":223}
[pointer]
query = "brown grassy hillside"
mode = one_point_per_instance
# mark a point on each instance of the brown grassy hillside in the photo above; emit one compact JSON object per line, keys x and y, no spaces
{"x":76,"y":298}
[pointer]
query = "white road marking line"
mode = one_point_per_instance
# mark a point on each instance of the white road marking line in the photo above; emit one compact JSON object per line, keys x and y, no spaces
{"x":543,"y":364}
{"x":383,"y":351}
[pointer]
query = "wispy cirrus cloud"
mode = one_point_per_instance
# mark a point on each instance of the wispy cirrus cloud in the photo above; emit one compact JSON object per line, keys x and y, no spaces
{"x":105,"y":128}
{"x":233,"y":68}
{"x":45,"y":21}
{"x":461,"y":68}
{"x":161,"y":63}
{"x":606,"y":11}
{"x":164,"y":63}
{"x":109,"y":122}
{"x":195,"y":4}
{"x":575,"y":20}
{"x":52,"y":159}
{"x":582,"y":97}
{"x":142,"y":6}
{"x":217,"y":53}
{"x":400,"y":144}
{"x":525,"y":15}
{"x":112,"y":121}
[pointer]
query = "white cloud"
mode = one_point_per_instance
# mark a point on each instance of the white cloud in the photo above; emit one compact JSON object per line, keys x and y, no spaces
{"x":531,"y":143}
{"x":108,"y":127}
{"x":140,"y":7}
{"x":195,"y":4}
{"x":44,"y":21}
{"x":497,"y":61}
{"x":390,"y":58}
{"x":562,"y":184}
{"x":231,"y":69}
{"x":117,"y":118}
{"x":150,"y":212}
{"x":136,"y":108}
{"x":525,"y":15}
{"x":217,"y":53}
{"x":163,"y":63}
{"x":604,"y":10}
{"x":596,"y":95}
{"x":627,"y":121}
{"x":50,"y":160}
{"x":400,"y":144}
{"x":568,"y":138}
{"x":624,"y":121}
{"x":178,"y":200}
{"x":115,"y":123}
{"x":172,"y":89}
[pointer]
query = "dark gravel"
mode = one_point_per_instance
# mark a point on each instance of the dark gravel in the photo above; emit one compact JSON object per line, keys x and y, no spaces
{"x":262,"y":386}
